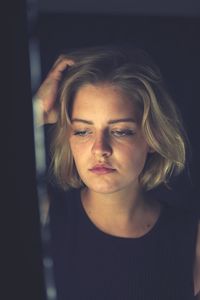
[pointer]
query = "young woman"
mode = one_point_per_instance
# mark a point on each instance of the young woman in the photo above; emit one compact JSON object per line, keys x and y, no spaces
{"x":117,"y":137}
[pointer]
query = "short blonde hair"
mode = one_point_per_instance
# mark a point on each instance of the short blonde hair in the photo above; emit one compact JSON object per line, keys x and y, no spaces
{"x":133,"y":71}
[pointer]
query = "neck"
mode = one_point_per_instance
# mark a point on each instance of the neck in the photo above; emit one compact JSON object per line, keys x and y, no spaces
{"x":120,"y":213}
{"x":119,"y":205}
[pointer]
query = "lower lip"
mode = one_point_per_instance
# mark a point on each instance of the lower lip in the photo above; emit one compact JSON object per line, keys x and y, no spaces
{"x":101,"y":171}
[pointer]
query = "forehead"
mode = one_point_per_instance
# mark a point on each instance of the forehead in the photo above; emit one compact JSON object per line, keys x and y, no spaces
{"x":103,"y":100}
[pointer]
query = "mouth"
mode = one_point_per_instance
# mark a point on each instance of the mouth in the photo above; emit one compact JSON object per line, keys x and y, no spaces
{"x":102,"y":169}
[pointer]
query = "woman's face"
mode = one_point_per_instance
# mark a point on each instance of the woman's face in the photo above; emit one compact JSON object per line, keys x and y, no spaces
{"x":106,"y":141}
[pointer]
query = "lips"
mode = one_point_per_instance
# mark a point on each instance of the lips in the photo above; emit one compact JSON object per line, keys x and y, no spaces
{"x":102,"y":169}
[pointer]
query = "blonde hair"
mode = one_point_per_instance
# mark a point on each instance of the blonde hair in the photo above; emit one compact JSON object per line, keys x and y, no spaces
{"x":136,"y":75}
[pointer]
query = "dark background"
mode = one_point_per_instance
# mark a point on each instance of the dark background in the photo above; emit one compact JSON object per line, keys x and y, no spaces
{"x":170,"y":33}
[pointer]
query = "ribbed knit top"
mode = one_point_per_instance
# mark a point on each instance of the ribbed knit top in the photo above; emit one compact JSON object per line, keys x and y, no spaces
{"x":93,"y":265}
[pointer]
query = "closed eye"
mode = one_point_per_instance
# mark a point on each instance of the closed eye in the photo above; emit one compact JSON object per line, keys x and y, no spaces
{"x":116,"y":133}
{"x":81,"y":132}
{"x":123,"y":133}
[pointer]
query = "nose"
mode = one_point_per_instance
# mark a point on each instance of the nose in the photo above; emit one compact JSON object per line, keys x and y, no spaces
{"x":101,"y":146}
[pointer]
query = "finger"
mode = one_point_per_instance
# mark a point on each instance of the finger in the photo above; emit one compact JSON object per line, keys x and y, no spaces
{"x":60,"y":65}
{"x":62,"y":59}
{"x":63,"y":64}
{"x":58,"y":60}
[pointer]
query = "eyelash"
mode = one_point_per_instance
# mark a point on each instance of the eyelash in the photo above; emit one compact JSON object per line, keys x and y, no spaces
{"x":123,"y":133}
{"x":80,"y":132}
{"x":116,"y":133}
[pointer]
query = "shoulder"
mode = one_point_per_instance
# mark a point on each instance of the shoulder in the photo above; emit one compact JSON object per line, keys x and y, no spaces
{"x":184,"y":219}
{"x":187,"y":226}
{"x":58,"y":195}
{"x":62,"y":201}
{"x":64,"y":211}
{"x":197,"y":265}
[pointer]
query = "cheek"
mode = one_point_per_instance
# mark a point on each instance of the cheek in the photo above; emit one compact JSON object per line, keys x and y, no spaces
{"x":75,"y":152}
{"x":134,"y":156}
{"x":80,"y":145}
{"x":79,"y":153}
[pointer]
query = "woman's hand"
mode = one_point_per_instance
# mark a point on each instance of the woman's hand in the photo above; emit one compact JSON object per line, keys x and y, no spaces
{"x":46,"y":95}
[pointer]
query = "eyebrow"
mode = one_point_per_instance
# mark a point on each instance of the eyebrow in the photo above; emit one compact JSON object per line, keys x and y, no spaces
{"x":109,"y":122}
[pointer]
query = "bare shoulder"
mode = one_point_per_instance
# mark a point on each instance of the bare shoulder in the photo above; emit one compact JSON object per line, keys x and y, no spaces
{"x":197,"y":265}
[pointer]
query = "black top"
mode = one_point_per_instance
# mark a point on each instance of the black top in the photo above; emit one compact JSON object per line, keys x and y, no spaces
{"x":93,"y":265}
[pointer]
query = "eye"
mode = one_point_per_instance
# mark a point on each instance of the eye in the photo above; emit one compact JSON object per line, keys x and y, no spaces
{"x":81,"y":132}
{"x":123,"y":133}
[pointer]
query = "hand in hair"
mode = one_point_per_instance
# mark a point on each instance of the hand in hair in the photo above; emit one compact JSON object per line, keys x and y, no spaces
{"x":46,"y":95}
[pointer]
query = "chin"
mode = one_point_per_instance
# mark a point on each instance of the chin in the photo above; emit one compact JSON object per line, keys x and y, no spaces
{"x":104,"y":188}
{"x":104,"y":191}
{"x":108,"y":185}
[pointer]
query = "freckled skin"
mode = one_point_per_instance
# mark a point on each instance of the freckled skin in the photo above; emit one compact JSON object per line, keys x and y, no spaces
{"x":101,"y":144}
